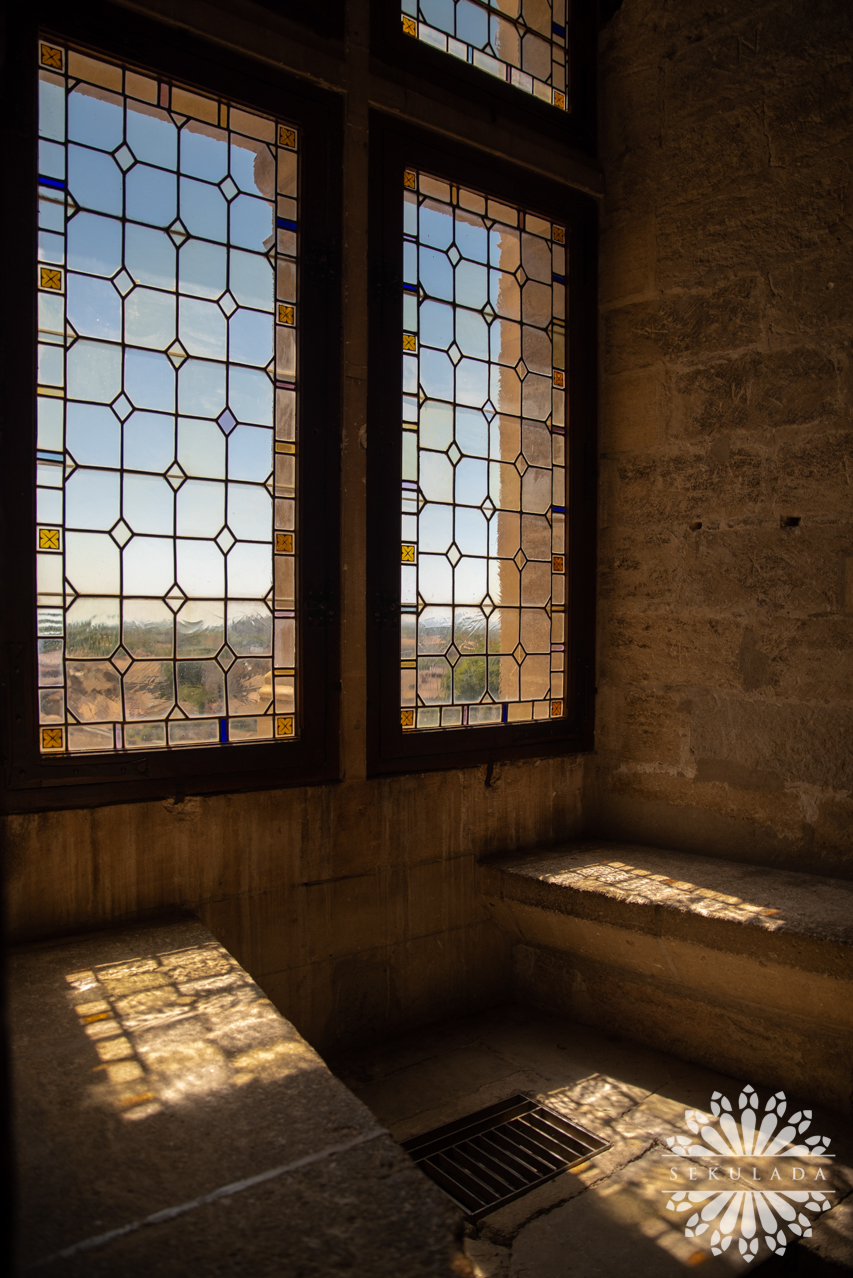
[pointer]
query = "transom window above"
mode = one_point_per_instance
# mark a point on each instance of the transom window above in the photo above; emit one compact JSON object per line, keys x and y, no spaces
{"x":167,"y":442}
{"x":483,"y":545}
{"x":520,"y":41}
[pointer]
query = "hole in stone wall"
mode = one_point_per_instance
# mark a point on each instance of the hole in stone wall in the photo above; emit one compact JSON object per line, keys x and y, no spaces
{"x":500,"y":1153}
{"x":789,"y":521}
{"x":696,"y":525}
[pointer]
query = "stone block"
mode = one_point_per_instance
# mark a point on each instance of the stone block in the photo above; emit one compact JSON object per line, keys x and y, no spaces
{"x":806,"y":743}
{"x":764,"y":571}
{"x":812,"y":477}
{"x":655,"y":728}
{"x":672,"y":651}
{"x":629,"y":415}
{"x":689,"y":325}
{"x":639,"y":566}
{"x":765,"y":220}
{"x":440,"y":897}
{"x":756,"y":391}
{"x":690,"y":485}
{"x":627,"y":260}
{"x":810,"y":299}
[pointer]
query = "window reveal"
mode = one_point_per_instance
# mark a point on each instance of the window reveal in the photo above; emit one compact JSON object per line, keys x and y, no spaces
{"x":520,"y":41}
{"x":167,"y":442}
{"x":483,"y":492}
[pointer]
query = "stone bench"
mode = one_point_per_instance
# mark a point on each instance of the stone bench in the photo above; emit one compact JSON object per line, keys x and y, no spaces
{"x":738,"y":967}
{"x":169,"y":1121}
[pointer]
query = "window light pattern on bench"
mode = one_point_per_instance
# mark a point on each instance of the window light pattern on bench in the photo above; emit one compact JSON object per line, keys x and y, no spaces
{"x":483,"y":496}
{"x":520,"y":41}
{"x":166,"y":414}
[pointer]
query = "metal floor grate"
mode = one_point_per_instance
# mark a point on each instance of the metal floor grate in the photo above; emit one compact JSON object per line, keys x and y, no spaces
{"x":499,"y":1153}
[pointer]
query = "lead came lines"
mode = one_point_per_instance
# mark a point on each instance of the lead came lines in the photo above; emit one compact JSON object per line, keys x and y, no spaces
{"x":167,"y":444}
{"x":483,"y":464}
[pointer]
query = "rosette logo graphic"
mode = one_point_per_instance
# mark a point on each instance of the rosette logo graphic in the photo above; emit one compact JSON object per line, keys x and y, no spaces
{"x":768,"y":1190}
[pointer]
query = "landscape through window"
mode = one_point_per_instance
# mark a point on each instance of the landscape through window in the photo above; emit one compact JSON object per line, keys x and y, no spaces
{"x":520,"y":41}
{"x":167,"y":444}
{"x":483,"y":469}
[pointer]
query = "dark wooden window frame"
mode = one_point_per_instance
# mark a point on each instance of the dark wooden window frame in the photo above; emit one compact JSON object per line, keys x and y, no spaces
{"x":409,"y":60}
{"x":31,"y":781}
{"x":393,"y":148}
{"x":327,"y":17}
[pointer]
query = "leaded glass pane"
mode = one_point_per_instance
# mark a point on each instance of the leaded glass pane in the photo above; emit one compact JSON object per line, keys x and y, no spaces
{"x":167,"y":412}
{"x":520,"y":41}
{"x":483,"y":496}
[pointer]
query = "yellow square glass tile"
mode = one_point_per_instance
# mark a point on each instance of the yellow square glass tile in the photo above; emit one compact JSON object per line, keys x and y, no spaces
{"x":51,"y":57}
{"x":50,"y":277}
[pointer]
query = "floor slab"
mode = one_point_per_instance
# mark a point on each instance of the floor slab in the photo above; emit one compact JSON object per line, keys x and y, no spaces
{"x":609,"y":1216}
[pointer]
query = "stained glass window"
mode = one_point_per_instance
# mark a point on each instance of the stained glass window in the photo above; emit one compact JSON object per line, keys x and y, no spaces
{"x":167,"y":445}
{"x":520,"y":41}
{"x":483,"y":473}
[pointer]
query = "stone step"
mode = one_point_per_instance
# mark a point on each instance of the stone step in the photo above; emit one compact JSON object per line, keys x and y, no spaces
{"x":735,"y":966}
{"x":169,"y":1121}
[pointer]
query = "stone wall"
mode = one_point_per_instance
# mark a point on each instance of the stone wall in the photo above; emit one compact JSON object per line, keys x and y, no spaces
{"x":353,"y":905}
{"x":725,"y":719}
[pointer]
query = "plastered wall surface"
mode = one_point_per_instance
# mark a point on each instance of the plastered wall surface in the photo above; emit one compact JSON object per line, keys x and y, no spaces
{"x":725,"y":716}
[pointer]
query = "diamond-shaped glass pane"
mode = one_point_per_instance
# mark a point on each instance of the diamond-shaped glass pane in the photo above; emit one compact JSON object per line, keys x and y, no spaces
{"x":121,"y":533}
{"x":122,"y":407}
{"x":453,"y":554}
{"x":121,"y":659}
{"x":226,"y":658}
{"x":123,"y":283}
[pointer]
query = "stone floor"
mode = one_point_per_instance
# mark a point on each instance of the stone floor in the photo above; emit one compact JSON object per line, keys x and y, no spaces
{"x":608,"y":1216}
